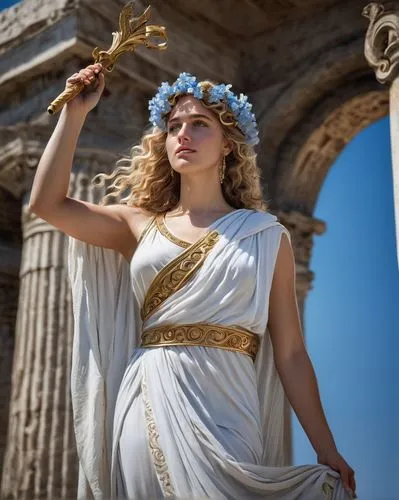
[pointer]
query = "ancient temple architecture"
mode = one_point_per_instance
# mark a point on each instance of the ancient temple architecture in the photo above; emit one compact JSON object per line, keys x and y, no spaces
{"x":303,"y":66}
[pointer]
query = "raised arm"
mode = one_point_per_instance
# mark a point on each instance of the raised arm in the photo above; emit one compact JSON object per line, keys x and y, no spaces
{"x":115,"y":226}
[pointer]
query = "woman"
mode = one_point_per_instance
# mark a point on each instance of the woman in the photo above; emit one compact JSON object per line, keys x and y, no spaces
{"x":187,"y":333}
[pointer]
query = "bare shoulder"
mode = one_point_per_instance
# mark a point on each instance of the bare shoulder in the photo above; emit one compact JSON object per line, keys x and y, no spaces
{"x":136,"y":218}
{"x":284,"y":271}
{"x":283,"y":281}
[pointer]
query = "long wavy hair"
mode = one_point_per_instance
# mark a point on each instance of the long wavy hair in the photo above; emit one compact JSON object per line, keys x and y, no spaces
{"x":146,"y":179}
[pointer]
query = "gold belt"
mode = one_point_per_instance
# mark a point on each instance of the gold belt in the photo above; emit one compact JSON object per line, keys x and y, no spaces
{"x":231,"y":338}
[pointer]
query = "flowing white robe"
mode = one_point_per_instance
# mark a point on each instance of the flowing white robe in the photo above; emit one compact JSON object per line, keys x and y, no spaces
{"x":185,"y":422}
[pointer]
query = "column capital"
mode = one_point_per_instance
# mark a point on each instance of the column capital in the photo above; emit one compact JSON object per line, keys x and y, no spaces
{"x":21,"y":147}
{"x":302,"y":228}
{"x":17,"y":166}
{"x":381,"y":47}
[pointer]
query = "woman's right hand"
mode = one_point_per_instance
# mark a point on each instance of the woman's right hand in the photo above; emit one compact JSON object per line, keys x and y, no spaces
{"x":93,"y":79}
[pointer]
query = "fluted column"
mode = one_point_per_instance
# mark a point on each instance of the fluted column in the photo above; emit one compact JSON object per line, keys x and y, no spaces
{"x":40,"y":460}
{"x":10,"y":255}
{"x":381,"y":50}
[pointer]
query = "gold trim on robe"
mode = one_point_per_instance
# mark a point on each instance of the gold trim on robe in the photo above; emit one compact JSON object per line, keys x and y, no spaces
{"x":161,"y":226}
{"x":231,"y":338}
{"x":160,"y":463}
{"x":176,"y":274}
{"x":147,"y":228}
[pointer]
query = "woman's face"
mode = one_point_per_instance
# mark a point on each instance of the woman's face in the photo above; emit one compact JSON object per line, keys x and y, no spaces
{"x":192,"y":126}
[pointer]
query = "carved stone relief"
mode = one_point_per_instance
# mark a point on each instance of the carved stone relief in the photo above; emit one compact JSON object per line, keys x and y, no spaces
{"x":303,"y":178}
{"x":381,"y":46}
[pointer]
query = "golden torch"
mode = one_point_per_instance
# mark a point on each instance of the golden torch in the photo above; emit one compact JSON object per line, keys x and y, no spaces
{"x":132,"y":32}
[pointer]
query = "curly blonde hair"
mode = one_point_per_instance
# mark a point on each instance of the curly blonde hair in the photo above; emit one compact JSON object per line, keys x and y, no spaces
{"x":146,"y":179}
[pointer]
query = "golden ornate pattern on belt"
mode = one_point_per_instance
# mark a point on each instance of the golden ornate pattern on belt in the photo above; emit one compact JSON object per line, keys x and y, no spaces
{"x":176,"y":274}
{"x":203,"y":334}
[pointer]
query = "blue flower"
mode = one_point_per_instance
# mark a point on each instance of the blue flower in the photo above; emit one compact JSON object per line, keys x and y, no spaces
{"x":159,"y":106}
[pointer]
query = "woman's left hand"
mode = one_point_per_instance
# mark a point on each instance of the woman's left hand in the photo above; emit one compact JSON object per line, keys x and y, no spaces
{"x":335,"y":460}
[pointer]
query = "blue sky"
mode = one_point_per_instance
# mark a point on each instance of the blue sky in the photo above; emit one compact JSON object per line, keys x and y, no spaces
{"x":7,"y":3}
{"x":351,"y":319}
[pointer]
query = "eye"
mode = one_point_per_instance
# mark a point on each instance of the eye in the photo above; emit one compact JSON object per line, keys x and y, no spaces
{"x":173,"y":127}
{"x":200,"y":122}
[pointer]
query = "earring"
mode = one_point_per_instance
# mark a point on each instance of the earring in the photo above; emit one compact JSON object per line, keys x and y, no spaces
{"x":222,"y":170}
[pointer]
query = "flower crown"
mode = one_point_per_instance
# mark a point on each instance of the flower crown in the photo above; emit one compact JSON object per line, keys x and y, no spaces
{"x":240,"y":108}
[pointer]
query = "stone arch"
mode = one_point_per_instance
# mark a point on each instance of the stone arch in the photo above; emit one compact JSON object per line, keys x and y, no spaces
{"x":305,"y":153}
{"x":294,"y":99}
{"x":305,"y":157}
{"x":310,"y":150}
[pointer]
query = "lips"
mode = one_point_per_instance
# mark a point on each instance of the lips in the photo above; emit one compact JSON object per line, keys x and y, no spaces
{"x":185,"y":150}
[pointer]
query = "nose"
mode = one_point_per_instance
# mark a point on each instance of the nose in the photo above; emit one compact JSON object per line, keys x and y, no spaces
{"x":183,"y":134}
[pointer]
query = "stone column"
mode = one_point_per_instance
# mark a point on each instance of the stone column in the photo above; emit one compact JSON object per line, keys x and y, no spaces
{"x":381,"y":50}
{"x":41,"y":459}
{"x":10,"y":256}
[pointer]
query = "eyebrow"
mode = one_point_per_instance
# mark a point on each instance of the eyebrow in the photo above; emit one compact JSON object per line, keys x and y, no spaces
{"x":196,"y":115}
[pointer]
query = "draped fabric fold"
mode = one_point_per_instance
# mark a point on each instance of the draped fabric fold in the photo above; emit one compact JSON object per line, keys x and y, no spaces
{"x":106,"y":331}
{"x":115,"y":381}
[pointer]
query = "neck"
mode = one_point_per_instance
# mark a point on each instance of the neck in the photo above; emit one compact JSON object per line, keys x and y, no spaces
{"x":201,"y":194}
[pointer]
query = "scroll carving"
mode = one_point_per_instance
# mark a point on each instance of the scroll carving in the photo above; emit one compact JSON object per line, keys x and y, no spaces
{"x":381,"y":47}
